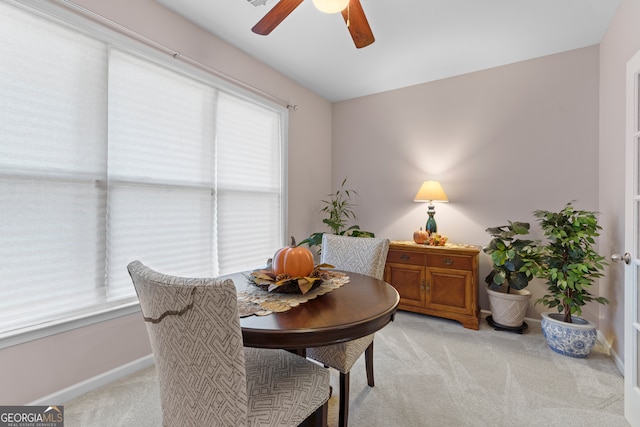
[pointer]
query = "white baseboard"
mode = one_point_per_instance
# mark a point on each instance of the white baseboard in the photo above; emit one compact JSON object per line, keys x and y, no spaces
{"x":616,"y":358}
{"x":619,"y":363}
{"x":83,"y":387}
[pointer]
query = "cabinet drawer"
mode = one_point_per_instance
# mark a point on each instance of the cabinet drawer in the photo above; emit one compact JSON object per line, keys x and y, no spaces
{"x":406,"y":257}
{"x":459,"y":262}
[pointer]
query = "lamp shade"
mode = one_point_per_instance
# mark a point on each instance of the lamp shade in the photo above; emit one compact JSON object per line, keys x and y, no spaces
{"x":431,"y":191}
{"x":330,"y":6}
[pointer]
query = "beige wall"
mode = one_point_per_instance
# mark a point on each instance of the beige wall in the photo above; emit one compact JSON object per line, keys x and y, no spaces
{"x":39,"y":368}
{"x":503,"y":142}
{"x":620,"y":43}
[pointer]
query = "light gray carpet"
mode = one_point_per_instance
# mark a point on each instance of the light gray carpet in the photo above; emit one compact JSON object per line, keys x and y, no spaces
{"x":429,"y":372}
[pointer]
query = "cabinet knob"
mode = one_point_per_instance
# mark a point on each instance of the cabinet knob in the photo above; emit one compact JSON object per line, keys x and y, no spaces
{"x":447,"y":261}
{"x":404,"y":257}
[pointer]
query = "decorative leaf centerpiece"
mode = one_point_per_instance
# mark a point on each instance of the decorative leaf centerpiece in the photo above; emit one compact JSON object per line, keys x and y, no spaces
{"x":268,"y":280}
{"x":436,"y":239}
{"x":426,"y":237}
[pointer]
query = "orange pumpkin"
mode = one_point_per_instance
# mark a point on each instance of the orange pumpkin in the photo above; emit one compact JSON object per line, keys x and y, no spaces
{"x":420,"y":236}
{"x":296,"y":261}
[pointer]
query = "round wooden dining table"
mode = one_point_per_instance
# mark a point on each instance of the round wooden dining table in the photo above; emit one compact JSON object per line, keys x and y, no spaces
{"x":360,"y":307}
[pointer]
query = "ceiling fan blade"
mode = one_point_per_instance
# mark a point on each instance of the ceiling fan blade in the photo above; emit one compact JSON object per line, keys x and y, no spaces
{"x":275,"y":16}
{"x":358,"y":25}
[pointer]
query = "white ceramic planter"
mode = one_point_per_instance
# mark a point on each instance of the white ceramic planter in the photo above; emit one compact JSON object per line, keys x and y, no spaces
{"x":509,"y":309}
{"x":570,"y":339}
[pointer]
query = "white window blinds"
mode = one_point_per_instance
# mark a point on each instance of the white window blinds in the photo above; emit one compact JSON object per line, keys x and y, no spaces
{"x":107,"y":157}
{"x":249,"y":182}
{"x":52,"y":201}
{"x":161,"y":169}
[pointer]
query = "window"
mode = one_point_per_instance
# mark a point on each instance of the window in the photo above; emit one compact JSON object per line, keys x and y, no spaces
{"x":108,"y":155}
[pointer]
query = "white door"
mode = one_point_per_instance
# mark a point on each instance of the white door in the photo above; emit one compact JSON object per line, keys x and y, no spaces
{"x":632,"y":243}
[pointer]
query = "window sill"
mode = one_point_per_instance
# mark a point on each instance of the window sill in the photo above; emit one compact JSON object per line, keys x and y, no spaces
{"x":81,"y":320}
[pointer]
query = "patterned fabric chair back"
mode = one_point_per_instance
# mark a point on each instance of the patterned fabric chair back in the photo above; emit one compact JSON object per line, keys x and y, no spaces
{"x":361,"y":255}
{"x":195,"y":335}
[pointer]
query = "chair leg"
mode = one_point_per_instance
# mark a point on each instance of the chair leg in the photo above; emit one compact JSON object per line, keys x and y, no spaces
{"x":321,"y":415}
{"x":344,"y":400}
{"x":368,"y":361}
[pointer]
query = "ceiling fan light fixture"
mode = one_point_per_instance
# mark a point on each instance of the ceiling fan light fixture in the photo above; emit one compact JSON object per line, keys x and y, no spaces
{"x":330,"y":6}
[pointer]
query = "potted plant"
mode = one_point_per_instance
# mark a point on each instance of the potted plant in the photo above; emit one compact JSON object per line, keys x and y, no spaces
{"x":570,"y":265}
{"x":339,"y":211}
{"x":515,"y":262}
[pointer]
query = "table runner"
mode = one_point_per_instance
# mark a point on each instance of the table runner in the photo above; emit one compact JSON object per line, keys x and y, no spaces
{"x":254,"y":300}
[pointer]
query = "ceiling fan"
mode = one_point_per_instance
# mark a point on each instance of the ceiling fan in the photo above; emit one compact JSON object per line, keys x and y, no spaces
{"x":353,"y":15}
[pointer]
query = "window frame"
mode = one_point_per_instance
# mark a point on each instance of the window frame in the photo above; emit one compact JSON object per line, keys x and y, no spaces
{"x":97,"y":27}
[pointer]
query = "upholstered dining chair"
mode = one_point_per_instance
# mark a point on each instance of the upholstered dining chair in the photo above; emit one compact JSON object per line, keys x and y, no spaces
{"x":206,"y":376}
{"x":358,"y":255}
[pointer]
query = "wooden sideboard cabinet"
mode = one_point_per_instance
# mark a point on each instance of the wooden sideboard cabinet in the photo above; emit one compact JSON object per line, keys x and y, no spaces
{"x":439,"y":281}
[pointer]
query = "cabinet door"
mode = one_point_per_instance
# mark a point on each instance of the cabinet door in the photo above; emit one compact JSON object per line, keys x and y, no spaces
{"x":450,"y":290}
{"x":409,"y":281}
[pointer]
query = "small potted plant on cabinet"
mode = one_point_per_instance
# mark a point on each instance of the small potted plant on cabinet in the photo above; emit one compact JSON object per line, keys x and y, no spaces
{"x":515,"y":263}
{"x":570,"y":265}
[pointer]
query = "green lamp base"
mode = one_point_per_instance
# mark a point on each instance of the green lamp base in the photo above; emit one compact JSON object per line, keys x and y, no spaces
{"x":431,"y":226}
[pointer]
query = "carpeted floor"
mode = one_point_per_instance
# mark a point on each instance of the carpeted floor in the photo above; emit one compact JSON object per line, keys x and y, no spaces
{"x":428,"y":372}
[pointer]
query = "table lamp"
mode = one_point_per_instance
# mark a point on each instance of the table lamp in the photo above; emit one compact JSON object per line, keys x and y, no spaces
{"x":431,"y":191}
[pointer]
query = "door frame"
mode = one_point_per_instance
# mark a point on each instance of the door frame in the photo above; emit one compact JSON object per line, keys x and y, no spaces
{"x":632,"y":212}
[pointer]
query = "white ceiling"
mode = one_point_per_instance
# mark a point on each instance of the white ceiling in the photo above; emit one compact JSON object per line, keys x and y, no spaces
{"x":416,"y":40}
